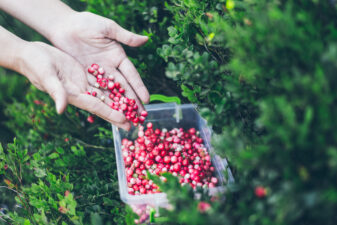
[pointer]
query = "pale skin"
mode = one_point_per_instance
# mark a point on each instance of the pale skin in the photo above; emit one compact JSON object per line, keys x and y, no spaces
{"x":82,"y":38}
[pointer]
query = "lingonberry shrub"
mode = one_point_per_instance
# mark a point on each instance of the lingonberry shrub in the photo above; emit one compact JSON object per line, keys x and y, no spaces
{"x":60,"y":168}
{"x":262,"y":72}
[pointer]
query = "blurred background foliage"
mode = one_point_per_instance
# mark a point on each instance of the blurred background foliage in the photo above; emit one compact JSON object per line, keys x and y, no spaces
{"x":262,"y":72}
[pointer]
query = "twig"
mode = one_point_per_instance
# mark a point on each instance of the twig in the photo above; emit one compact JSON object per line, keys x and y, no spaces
{"x":90,"y":145}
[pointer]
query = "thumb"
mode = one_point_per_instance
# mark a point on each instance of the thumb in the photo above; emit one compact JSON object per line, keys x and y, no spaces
{"x":126,"y":37}
{"x":56,"y":90}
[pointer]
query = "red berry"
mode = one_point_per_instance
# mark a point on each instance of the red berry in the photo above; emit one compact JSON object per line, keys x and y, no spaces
{"x":95,"y":66}
{"x":158,"y":158}
{"x":260,"y":192}
{"x":101,"y":71}
{"x":214,"y":180}
{"x":192,"y":131}
{"x":111,"y":85}
{"x":124,"y":107}
{"x":185,"y":162}
{"x":176,"y":167}
{"x":128,"y":160}
{"x":141,"y":119}
{"x":121,"y":90}
{"x":103,"y":84}
{"x":90,"y":119}
{"x":143,"y":113}
{"x":132,"y":102}
{"x":167,"y":159}
{"x":91,"y":70}
{"x":174,"y":159}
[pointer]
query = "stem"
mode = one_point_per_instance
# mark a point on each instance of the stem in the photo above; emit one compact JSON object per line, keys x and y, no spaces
{"x":11,"y":190}
{"x":90,"y":145}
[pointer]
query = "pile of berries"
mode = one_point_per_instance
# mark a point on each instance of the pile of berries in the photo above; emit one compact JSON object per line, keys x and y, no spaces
{"x":119,"y":101}
{"x":179,"y":152}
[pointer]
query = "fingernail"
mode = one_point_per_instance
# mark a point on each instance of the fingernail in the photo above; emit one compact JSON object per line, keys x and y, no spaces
{"x":127,"y":126}
{"x":59,"y":107}
{"x":145,"y":97}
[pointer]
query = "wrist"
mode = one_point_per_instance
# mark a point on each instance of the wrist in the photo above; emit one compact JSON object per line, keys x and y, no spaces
{"x":22,"y":59}
{"x":45,"y":16}
{"x":12,"y":50}
{"x":60,"y":22}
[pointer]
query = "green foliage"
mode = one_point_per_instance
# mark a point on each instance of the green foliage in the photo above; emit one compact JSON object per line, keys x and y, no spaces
{"x":261,"y":72}
{"x":269,"y":90}
{"x":56,"y":154}
{"x":196,"y":53}
{"x":148,"y":18}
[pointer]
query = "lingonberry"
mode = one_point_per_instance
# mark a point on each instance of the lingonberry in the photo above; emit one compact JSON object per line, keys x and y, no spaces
{"x":260,"y":192}
{"x":176,"y":151}
{"x":120,"y":102}
{"x":90,"y":119}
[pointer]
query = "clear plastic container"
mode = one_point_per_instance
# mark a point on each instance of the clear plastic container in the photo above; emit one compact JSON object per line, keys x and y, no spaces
{"x":169,"y":116}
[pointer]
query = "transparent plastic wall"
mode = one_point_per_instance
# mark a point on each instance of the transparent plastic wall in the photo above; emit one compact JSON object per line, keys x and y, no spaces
{"x":169,"y":116}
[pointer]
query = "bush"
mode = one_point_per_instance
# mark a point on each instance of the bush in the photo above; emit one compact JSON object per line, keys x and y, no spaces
{"x":148,"y":18}
{"x":62,"y":168}
{"x":272,"y":102}
{"x":261,"y":72}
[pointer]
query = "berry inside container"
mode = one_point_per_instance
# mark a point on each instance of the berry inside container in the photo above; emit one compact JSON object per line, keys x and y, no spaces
{"x":167,"y":116}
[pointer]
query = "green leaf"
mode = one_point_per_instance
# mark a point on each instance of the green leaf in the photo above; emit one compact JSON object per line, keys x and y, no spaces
{"x":39,"y":172}
{"x":53,"y":155}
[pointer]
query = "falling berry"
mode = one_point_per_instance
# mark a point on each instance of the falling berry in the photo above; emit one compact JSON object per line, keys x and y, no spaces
{"x":120,"y":102}
{"x":91,"y":119}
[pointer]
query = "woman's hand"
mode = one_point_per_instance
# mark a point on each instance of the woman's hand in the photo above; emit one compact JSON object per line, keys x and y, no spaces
{"x":90,"y":38}
{"x":87,"y":37}
{"x":64,"y":79}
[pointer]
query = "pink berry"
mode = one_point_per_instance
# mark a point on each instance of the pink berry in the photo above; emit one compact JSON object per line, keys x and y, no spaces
{"x":158,"y":158}
{"x":174,"y":159}
{"x":176,"y":167}
{"x":167,"y":159}
{"x":142,"y":119}
{"x":90,"y":119}
{"x":111,"y":77}
{"x":124,"y":107}
{"x":143,"y":113}
{"x":91,"y":70}
{"x":121,"y":90}
{"x":95,"y":66}
{"x":101,"y":71}
{"x":260,"y":192}
{"x":111,"y":85}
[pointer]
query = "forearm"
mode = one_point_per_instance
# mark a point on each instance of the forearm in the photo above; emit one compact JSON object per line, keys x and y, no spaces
{"x":11,"y":50}
{"x":41,"y":15}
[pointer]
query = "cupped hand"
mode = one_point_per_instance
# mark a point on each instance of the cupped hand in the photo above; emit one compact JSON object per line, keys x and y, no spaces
{"x":90,"y":38}
{"x":65,"y":80}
